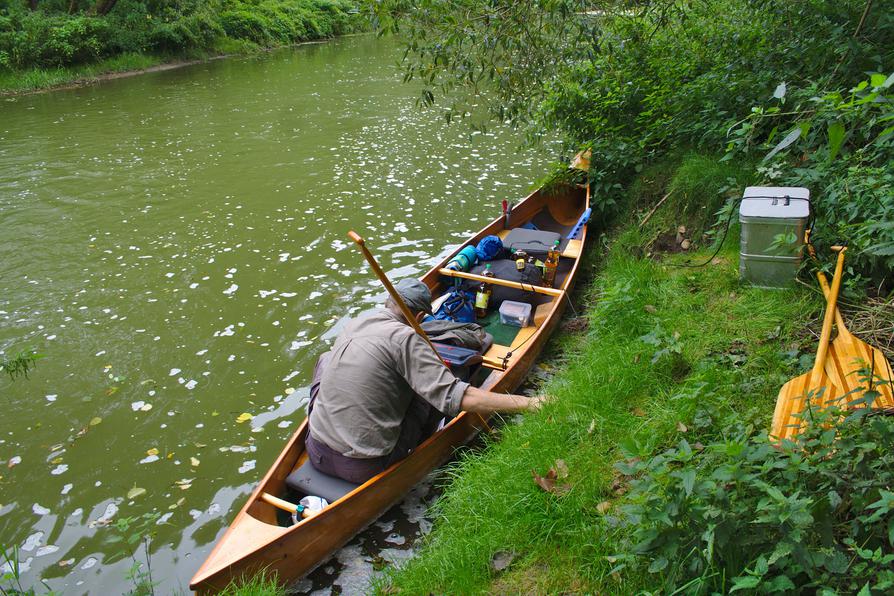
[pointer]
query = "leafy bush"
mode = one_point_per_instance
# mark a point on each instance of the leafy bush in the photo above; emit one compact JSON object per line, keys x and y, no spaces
{"x":841,"y":146}
{"x":814,"y":516}
{"x":54,"y":38}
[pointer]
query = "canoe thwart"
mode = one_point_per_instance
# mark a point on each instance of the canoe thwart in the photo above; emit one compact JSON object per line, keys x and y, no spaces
{"x":502,"y":282}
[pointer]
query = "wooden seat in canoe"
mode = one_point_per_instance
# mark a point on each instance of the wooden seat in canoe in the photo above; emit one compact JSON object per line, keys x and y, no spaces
{"x":307,"y":480}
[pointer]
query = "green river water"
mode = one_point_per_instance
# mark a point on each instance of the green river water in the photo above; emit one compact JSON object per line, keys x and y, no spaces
{"x":175,"y":245}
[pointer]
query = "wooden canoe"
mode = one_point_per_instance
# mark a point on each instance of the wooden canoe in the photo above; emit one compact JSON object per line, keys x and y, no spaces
{"x":256,"y":541}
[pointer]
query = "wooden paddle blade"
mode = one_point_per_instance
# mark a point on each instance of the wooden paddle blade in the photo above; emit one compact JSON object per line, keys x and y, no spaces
{"x":848,"y":363}
{"x":788,"y":419}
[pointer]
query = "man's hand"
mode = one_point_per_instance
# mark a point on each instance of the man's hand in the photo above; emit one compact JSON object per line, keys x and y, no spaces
{"x":536,"y":402}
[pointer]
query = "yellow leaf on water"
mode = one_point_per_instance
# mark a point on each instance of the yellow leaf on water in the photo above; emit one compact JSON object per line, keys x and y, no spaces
{"x":94,"y":421}
{"x":244,"y":417}
{"x":56,"y":461}
{"x":289,"y":390}
{"x":215,"y":413}
{"x":152,"y":451}
{"x":171,"y":455}
{"x":194,"y":462}
{"x":135,"y":492}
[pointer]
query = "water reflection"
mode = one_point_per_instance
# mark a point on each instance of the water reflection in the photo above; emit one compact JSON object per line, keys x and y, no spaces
{"x":175,"y":243}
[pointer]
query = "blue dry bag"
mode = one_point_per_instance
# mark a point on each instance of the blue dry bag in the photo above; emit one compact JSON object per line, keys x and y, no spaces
{"x":459,"y":307}
{"x":489,"y":248}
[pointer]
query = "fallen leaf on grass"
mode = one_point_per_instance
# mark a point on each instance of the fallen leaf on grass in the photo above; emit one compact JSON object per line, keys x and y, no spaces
{"x":716,"y":261}
{"x":548,"y":483}
{"x":592,"y":427}
{"x":244,"y":417}
{"x":603,"y":507}
{"x":650,"y":309}
{"x":682,"y":427}
{"x":619,"y":487}
{"x":561,"y":469}
{"x":638,"y":412}
{"x":501,"y":560}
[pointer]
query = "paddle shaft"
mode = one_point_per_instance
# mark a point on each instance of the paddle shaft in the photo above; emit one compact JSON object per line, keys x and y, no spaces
{"x":411,"y":319}
{"x":823,"y":349}
{"x":824,"y":284}
{"x":408,"y":314}
{"x":502,"y":282}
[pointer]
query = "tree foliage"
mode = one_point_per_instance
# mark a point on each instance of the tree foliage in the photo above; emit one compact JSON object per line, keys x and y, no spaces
{"x":69,"y":32}
{"x":636,"y":81}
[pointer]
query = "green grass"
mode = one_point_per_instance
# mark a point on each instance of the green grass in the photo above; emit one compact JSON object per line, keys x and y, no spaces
{"x":734,"y":347}
{"x":259,"y":585}
{"x":45,"y":78}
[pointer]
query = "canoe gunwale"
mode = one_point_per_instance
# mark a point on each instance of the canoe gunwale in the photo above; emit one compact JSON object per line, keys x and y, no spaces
{"x":375,"y":496}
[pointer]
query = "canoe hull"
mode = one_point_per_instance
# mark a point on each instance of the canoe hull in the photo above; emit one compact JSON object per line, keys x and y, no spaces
{"x":256,"y":543}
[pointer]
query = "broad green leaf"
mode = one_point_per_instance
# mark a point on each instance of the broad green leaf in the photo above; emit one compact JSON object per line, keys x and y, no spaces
{"x":836,"y":138}
{"x":745,"y":583}
{"x":864,"y":591}
{"x":790,"y":138}
{"x":657,"y":565}
{"x":877,"y":80}
{"x":780,"y":90}
{"x":688,"y":477}
{"x":885,"y":135}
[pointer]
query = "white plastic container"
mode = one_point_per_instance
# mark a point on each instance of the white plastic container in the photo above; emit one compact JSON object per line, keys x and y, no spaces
{"x":514,"y":313}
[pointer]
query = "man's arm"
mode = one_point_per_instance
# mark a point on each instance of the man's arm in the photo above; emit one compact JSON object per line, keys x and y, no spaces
{"x":479,"y":401}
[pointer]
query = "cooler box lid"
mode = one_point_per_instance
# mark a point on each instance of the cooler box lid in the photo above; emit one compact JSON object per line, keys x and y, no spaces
{"x":770,"y":202}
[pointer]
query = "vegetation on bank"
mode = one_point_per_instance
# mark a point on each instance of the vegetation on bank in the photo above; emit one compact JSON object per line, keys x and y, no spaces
{"x":800,"y":89}
{"x":45,"y":43}
{"x":651,"y":471}
{"x":657,"y":441}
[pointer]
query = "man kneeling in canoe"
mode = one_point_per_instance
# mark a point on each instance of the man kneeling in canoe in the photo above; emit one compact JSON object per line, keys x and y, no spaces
{"x":382,"y":391}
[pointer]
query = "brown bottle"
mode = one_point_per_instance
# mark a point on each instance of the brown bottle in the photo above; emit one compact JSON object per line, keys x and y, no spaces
{"x":551,"y":265}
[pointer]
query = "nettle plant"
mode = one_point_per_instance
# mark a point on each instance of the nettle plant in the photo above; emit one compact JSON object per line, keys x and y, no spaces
{"x":741,"y":513}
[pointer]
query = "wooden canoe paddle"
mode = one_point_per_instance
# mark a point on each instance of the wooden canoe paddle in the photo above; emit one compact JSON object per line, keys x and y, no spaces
{"x":849,"y":356}
{"x":408,"y":314}
{"x":815,"y":386}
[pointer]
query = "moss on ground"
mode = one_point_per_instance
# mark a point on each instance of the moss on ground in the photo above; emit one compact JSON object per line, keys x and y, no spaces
{"x":668,"y":352}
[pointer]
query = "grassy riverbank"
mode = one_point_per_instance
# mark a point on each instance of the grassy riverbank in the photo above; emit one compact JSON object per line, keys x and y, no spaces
{"x":49,"y":48}
{"x":670,"y":353}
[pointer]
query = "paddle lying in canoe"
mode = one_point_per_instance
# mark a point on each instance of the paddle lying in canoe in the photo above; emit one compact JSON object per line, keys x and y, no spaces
{"x":267,"y":533}
{"x":815,"y":388}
